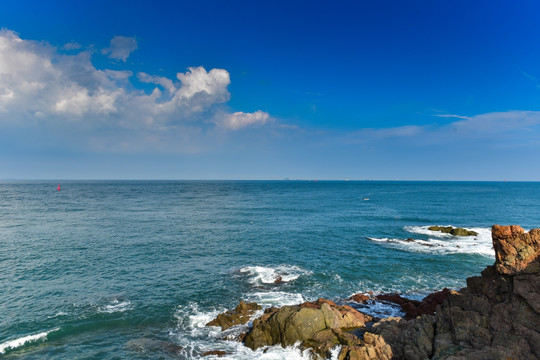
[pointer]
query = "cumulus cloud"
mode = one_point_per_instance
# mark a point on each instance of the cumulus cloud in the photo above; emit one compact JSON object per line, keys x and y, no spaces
{"x":121,"y":47}
{"x":40,"y":85}
{"x":240,"y":119}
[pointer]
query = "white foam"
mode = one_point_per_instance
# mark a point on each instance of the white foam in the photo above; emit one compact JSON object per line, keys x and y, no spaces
{"x":237,"y":351}
{"x":381,"y":309}
{"x":275,"y":298}
{"x":268,"y":275}
{"x":13,"y":344}
{"x":196,"y":338}
{"x":116,"y":305}
{"x":442,"y":243}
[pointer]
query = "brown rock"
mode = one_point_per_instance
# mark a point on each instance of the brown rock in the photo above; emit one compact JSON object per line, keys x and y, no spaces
{"x":361,"y":298}
{"x":240,"y":315}
{"x":515,"y":250}
{"x":319,"y":325}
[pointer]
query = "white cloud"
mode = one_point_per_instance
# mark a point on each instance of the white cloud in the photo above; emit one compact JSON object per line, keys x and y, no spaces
{"x":121,"y":47}
{"x":40,"y":85}
{"x":497,"y":123}
{"x":159,"y":80}
{"x":451,"y":116}
{"x":239,"y":120}
{"x":72,"y":46}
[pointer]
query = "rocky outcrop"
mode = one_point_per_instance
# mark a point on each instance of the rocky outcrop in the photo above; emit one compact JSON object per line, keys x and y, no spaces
{"x":239,"y":316}
{"x":516,"y":251}
{"x":320,"y":325}
{"x":453,"y":231}
{"x":496,"y":317}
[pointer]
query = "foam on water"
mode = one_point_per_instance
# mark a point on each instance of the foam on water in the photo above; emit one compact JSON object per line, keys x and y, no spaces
{"x":116,"y":305}
{"x":275,"y":298}
{"x":17,"y":343}
{"x":269,"y":275}
{"x":442,"y":243}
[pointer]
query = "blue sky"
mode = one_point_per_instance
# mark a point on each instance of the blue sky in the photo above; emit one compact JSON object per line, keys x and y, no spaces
{"x":428,"y":90}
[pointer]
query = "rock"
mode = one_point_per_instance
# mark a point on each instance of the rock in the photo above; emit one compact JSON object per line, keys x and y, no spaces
{"x":240,"y":315}
{"x":218,"y":353}
{"x":319,"y":325}
{"x":361,"y":298}
{"x":454,"y":231}
{"x":496,"y":317}
{"x":515,"y":250}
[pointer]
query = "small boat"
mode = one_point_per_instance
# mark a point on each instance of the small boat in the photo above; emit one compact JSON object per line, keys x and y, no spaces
{"x":365,"y":199}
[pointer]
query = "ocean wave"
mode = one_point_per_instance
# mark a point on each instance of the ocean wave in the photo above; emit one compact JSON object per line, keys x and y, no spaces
{"x":441,"y":243}
{"x":116,"y":305}
{"x":20,"y":342}
{"x":268,"y":275}
{"x":275,"y":298}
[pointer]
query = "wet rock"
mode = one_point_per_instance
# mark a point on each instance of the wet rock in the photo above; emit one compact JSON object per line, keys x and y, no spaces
{"x":319,"y":325}
{"x":453,"y":231}
{"x":239,"y":316}
{"x":362,"y":298}
{"x":218,"y":353}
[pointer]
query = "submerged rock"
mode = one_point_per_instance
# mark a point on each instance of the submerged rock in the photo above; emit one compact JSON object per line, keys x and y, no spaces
{"x":218,"y":353}
{"x":239,"y":316}
{"x":453,"y":231}
{"x":147,"y":345}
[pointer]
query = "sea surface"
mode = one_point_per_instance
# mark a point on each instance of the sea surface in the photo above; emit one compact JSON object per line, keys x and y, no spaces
{"x":135,"y":269}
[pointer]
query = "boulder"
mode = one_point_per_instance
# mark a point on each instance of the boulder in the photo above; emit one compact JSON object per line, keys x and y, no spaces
{"x":319,"y":325}
{"x":239,"y":316}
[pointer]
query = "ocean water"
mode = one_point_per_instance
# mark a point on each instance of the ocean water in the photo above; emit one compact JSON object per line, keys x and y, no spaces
{"x":134,"y":270}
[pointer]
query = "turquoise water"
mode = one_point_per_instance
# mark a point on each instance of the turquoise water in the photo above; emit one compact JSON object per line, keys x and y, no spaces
{"x":132,"y":270}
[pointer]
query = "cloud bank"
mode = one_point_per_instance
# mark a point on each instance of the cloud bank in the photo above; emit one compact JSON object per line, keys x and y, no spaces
{"x":41,"y":86}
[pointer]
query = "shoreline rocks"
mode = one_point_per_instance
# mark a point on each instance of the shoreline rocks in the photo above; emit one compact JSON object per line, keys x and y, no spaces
{"x":496,"y":317}
{"x":239,"y":316}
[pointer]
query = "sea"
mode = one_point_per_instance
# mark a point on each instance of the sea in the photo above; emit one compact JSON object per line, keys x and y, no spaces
{"x":135,"y":269}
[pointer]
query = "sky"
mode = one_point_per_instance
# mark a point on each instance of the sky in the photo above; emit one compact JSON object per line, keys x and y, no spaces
{"x":360,"y":90}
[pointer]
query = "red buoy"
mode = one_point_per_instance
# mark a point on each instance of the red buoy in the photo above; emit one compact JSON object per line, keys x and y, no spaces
{"x":58,"y":188}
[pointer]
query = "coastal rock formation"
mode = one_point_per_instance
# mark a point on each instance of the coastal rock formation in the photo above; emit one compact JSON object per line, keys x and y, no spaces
{"x":239,"y":316}
{"x":496,"y":317}
{"x":453,"y":231}
{"x":320,"y":325}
